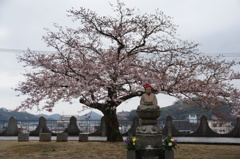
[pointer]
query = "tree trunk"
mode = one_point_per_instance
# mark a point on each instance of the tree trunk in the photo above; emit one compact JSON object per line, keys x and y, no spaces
{"x":112,"y":126}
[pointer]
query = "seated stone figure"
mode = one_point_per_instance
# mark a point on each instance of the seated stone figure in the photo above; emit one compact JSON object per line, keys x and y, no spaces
{"x":148,"y":100}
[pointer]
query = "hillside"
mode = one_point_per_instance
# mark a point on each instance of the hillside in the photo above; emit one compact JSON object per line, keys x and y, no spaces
{"x":91,"y":115}
{"x":7,"y":114}
{"x":180,"y":112}
{"x":50,"y":117}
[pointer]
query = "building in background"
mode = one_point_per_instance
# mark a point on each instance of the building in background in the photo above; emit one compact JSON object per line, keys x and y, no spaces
{"x":123,"y":115}
{"x":220,"y":127}
{"x":192,"y":118}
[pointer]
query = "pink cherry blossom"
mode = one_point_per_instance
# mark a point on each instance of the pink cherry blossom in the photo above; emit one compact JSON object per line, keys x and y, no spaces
{"x":106,"y":60}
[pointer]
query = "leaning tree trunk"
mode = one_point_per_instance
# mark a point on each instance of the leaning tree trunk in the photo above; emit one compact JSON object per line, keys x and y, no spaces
{"x":112,"y":126}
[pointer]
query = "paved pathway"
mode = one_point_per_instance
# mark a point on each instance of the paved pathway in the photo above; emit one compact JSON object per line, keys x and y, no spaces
{"x":70,"y":138}
{"x":207,"y":140}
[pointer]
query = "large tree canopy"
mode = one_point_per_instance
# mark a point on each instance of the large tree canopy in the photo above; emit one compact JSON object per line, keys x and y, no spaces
{"x":107,"y":60}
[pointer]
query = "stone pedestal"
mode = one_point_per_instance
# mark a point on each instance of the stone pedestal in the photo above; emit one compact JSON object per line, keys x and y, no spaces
{"x":169,"y":154}
{"x":62,"y":137}
{"x":154,"y":140}
{"x":23,"y":137}
{"x":154,"y":153}
{"x":149,"y":134}
{"x":45,"y":137}
{"x":131,"y":154}
{"x":83,"y":137}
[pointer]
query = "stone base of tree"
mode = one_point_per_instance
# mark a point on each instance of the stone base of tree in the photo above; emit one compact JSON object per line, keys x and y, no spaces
{"x":150,"y":154}
{"x":23,"y":137}
{"x":83,"y":137}
{"x":45,"y":137}
{"x":62,"y":137}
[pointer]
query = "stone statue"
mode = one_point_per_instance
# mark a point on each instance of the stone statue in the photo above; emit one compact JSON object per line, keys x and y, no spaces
{"x":148,"y":132}
{"x":148,"y":99}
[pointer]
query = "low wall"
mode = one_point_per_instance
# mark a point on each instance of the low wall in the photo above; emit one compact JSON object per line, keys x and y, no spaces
{"x":203,"y":130}
{"x":169,"y":129}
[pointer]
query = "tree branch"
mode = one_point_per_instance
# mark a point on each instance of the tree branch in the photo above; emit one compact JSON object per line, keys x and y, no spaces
{"x":131,"y":95}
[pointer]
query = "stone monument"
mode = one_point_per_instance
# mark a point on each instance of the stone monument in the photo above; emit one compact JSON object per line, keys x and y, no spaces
{"x":148,"y":133}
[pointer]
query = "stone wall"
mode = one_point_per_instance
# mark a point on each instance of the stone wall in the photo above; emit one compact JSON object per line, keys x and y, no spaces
{"x":203,"y":130}
{"x":169,"y":129}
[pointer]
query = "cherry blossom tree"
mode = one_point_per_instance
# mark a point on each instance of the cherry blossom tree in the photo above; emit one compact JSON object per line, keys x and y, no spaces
{"x":107,"y":60}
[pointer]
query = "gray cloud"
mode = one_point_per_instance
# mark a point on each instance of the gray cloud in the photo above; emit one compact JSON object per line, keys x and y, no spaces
{"x":215,"y":24}
{"x":225,"y":41}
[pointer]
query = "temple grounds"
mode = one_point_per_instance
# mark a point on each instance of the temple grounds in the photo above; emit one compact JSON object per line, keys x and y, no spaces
{"x":105,"y":150}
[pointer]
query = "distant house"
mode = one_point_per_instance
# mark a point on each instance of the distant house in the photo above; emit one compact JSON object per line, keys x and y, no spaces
{"x":123,"y":115}
{"x":189,"y":125}
{"x":220,"y":127}
{"x":192,"y":118}
{"x":185,"y":126}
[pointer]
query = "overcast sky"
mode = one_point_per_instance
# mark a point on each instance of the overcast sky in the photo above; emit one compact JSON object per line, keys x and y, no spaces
{"x":213,"y":23}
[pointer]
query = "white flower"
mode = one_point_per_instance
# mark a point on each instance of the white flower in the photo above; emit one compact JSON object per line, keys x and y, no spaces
{"x":169,"y":144}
